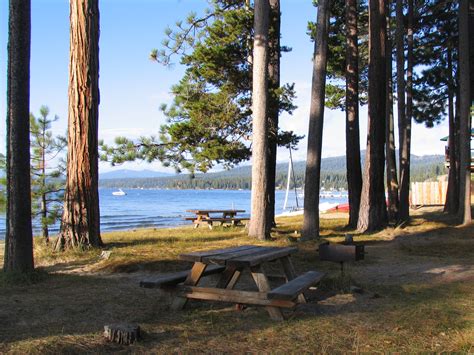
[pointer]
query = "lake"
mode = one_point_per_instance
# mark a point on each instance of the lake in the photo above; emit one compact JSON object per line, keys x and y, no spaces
{"x":164,"y":208}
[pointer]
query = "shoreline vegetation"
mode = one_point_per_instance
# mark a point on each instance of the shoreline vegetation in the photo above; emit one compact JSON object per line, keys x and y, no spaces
{"x":333,"y":176}
{"x":412,"y":293}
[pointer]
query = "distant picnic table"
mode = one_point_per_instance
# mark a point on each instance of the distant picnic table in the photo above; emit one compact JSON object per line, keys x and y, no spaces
{"x":229,"y":263}
{"x":209,"y":217}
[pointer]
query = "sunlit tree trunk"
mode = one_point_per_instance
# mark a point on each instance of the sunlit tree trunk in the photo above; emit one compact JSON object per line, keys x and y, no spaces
{"x":392,"y":181}
{"x":260,"y":225}
{"x":18,"y":238}
{"x":354,"y":171}
{"x":405,"y":126}
{"x":80,"y":221}
{"x":273,"y":105}
{"x":373,"y":212}
{"x":464,"y":212}
{"x":316,"y":119}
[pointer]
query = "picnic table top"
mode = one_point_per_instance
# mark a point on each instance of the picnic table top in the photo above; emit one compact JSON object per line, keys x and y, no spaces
{"x":201,"y":211}
{"x":242,"y":256}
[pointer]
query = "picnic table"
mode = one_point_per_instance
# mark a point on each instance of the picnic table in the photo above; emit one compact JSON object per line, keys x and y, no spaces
{"x":209,"y":217}
{"x":229,"y":263}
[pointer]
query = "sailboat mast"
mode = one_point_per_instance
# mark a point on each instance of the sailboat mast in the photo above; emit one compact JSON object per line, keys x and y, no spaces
{"x":294,"y":179}
{"x":288,"y":183}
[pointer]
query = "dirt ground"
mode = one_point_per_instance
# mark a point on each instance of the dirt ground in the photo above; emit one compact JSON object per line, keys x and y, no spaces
{"x":412,"y":292}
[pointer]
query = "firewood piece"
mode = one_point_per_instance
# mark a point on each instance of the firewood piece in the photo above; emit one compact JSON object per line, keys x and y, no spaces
{"x":122,"y":333}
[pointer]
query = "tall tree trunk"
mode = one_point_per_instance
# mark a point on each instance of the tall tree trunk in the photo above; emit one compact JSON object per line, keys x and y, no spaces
{"x":405,"y":144}
{"x":260,"y":225}
{"x":18,"y":238}
{"x":273,"y":105}
{"x":401,"y":87}
{"x":452,"y":201}
{"x":80,"y":225}
{"x":464,"y":212}
{"x":354,"y":171}
{"x":316,"y":119}
{"x":471,"y":50}
{"x":392,"y":181}
{"x":373,"y":211}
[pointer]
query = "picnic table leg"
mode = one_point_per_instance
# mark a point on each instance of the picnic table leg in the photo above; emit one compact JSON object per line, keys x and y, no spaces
{"x":229,"y":277}
{"x":264,"y":286}
{"x":291,"y":274}
{"x":192,"y":280}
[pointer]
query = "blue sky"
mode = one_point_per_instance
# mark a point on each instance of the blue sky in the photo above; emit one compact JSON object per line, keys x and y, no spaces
{"x":132,"y":87}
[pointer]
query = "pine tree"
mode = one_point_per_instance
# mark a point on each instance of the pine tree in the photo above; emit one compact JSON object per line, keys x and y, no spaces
{"x":373,"y":212}
{"x":18,"y":237}
{"x":464,"y":213}
{"x":3,"y":183}
{"x":47,"y":168}
{"x":260,"y":225}
{"x":347,"y":62}
{"x":80,"y":223}
{"x":316,"y":119}
{"x":392,"y":181}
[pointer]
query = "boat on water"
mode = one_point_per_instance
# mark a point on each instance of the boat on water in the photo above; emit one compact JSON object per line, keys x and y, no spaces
{"x":120,"y":192}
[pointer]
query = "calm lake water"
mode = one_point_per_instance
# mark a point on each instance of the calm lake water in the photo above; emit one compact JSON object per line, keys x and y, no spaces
{"x":164,"y":208}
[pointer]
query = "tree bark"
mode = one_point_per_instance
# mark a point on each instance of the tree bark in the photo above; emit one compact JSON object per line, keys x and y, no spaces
{"x":80,"y":225}
{"x":273,"y":105}
{"x":401,"y":87}
{"x":354,"y":171}
{"x":405,"y":132}
{"x":18,"y":238}
{"x":373,"y":212}
{"x":260,"y":225}
{"x":392,"y":181}
{"x":464,"y":212}
{"x":452,"y":193}
{"x":315,"y":131}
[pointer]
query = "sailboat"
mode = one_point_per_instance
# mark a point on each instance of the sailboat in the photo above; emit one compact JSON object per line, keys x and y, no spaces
{"x":120,"y":192}
{"x":294,"y":210}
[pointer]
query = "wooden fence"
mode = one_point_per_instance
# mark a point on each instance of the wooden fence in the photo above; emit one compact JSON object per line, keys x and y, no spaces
{"x":428,"y":193}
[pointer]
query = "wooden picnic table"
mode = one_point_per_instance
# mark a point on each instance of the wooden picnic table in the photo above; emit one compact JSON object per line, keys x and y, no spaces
{"x":208,"y":217}
{"x":230,"y":263}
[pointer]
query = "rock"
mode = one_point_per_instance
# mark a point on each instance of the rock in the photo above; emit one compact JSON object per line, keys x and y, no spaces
{"x":105,"y":254}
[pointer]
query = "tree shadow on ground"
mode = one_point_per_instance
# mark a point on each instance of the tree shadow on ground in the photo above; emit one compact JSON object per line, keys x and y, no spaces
{"x":71,"y":310}
{"x":163,"y":240}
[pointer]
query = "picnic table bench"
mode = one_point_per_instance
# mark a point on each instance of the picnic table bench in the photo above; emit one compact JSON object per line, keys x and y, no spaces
{"x":208,"y":217}
{"x":229,"y":263}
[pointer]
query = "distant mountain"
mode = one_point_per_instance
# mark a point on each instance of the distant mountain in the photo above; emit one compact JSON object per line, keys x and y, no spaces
{"x":333,"y":175}
{"x":132,"y":174}
{"x":335,"y":165}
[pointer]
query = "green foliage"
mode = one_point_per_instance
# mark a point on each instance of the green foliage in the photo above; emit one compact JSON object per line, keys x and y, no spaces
{"x":47,"y":168}
{"x":436,"y":39}
{"x":336,"y":66}
{"x":209,"y":120}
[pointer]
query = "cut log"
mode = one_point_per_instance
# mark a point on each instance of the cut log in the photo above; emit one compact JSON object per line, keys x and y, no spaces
{"x":122,"y":333}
